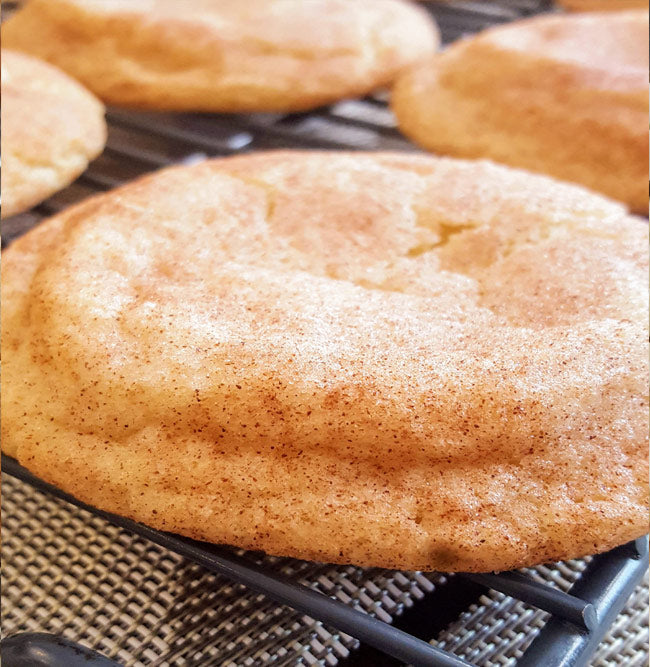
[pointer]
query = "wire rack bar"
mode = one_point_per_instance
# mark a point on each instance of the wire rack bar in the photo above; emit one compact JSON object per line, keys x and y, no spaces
{"x":99,"y":180}
{"x":40,"y":649}
{"x":607,"y":583}
{"x":138,"y":154}
{"x":563,"y":605}
{"x":374,"y":632}
{"x":159,"y":124}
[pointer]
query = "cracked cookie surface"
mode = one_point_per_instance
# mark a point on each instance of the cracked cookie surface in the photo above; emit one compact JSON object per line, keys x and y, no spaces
{"x":380,"y":359}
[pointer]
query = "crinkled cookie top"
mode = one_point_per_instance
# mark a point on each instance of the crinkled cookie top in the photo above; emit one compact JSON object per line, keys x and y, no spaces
{"x":380,"y":359}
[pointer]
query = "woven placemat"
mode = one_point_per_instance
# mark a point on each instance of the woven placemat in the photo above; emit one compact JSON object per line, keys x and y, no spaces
{"x":68,"y":572}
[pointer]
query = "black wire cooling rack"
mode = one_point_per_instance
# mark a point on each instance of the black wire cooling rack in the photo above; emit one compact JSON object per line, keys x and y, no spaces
{"x":141,"y":142}
{"x":579,"y":619}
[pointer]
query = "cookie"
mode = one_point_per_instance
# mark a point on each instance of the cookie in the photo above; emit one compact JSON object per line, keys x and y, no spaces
{"x":225,"y":55}
{"x":51,"y":128}
{"x":562,"y":95}
{"x":379,"y":359}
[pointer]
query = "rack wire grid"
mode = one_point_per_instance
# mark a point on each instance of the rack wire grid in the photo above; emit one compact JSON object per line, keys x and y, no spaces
{"x":142,"y":597}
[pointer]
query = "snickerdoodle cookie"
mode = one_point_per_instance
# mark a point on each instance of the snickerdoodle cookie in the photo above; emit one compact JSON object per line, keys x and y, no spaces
{"x":558,"y":94}
{"x":378,"y":359}
{"x":51,"y":128}
{"x":225,"y":55}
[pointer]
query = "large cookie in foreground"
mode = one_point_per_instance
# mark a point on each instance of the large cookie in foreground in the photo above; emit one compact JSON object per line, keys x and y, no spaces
{"x":225,"y":55}
{"x":379,"y":359}
{"x":562,"y":95}
{"x":51,"y":128}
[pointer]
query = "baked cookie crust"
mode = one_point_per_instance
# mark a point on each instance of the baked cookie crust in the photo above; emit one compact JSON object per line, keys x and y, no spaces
{"x":225,"y":55}
{"x":51,"y":128}
{"x":558,"y":94}
{"x":378,"y":359}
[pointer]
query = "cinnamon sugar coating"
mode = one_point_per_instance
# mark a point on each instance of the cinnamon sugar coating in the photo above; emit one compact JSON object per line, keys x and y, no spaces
{"x":51,"y":128}
{"x":225,"y":55}
{"x":557,"y":94}
{"x":379,"y":359}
